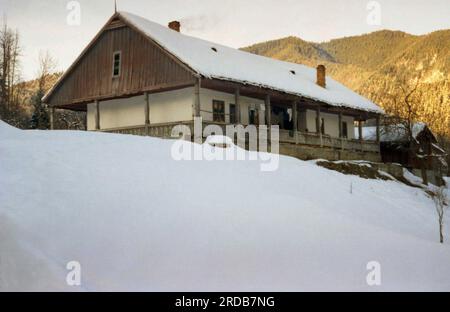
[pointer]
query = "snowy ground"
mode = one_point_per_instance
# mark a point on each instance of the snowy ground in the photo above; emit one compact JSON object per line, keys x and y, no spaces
{"x":135,"y":219}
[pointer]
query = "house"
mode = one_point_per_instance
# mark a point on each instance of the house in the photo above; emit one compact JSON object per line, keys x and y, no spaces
{"x":139,"y":77}
{"x":418,"y":152}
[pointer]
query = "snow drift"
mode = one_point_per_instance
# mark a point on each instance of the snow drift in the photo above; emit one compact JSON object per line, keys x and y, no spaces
{"x":135,"y":219}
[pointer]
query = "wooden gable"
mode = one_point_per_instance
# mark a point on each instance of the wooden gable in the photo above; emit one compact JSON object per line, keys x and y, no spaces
{"x":145,"y":67}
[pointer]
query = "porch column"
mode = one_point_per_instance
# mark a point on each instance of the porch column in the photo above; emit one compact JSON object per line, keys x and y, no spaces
{"x":147,"y":113}
{"x":197,"y":130}
{"x":196,"y":110}
{"x":237,"y":103}
{"x":268,"y":111}
{"x":97,"y":115}
{"x":360,"y":135}
{"x":268,"y":118}
{"x":340,"y":131}
{"x":294,"y":120}
{"x":147,"y":109}
{"x":378,"y":128}
{"x":318,"y":124}
{"x":52,"y":118}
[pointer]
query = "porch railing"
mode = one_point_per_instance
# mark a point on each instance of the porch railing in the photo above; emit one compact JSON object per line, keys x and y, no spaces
{"x":164,"y":130}
{"x":308,"y":138}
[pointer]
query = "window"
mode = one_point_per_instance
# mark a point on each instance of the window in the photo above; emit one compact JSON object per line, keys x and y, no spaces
{"x":322,"y":126}
{"x":232,"y":113}
{"x":218,"y":111}
{"x":344,"y":129}
{"x":251,"y":116}
{"x":116,"y":63}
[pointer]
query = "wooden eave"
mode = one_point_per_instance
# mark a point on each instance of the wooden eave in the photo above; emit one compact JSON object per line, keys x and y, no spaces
{"x":282,"y":97}
{"x":80,"y":104}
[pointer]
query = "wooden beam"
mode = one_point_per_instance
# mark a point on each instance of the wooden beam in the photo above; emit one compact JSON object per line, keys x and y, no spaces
{"x":347,"y":111}
{"x":147,"y":108}
{"x":318,"y":124}
{"x":378,"y":128}
{"x":268,"y":111}
{"x":147,"y":113}
{"x":237,"y":103}
{"x":294,"y":116}
{"x":196,"y":110}
{"x":294,"y":120}
{"x":52,"y":118}
{"x":318,"y":119}
{"x":341,"y":135}
{"x":247,"y":90}
{"x":97,"y":115}
{"x":268,"y":114}
{"x":360,"y":135}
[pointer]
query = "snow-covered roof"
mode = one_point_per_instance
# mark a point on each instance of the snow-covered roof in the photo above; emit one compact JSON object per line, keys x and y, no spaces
{"x":213,"y":60}
{"x":392,"y":133}
{"x":438,"y":148}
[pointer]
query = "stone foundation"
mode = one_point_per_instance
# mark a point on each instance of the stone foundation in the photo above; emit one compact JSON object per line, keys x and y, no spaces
{"x":305,"y":152}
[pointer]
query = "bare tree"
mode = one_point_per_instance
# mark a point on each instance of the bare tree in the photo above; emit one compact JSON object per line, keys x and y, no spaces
{"x":405,"y":107}
{"x":9,"y":71}
{"x":405,"y":111}
{"x":47,"y":66}
{"x":441,"y":203}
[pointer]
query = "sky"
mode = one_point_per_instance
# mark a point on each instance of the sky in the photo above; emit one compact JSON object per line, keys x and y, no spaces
{"x":65,"y":27}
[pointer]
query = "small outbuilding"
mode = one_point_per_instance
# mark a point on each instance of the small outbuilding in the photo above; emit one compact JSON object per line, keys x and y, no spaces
{"x":418,"y":152}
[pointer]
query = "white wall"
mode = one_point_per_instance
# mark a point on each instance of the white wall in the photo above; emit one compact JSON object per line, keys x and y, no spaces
{"x":177,"y":105}
{"x":170,"y":106}
{"x":207,"y":96}
{"x":90,"y":117}
{"x":118,"y":113}
{"x":331,"y":123}
{"x":350,"y":126}
{"x":307,"y":118}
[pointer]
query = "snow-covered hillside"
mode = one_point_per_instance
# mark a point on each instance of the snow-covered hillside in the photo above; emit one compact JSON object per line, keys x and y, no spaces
{"x":135,"y":219}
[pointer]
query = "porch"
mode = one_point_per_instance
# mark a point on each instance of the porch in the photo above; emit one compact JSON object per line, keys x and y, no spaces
{"x":304,"y":124}
{"x":164,"y":130}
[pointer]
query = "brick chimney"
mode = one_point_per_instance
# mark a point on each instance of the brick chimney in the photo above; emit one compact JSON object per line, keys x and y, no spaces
{"x":321,"y":73}
{"x":175,"y":25}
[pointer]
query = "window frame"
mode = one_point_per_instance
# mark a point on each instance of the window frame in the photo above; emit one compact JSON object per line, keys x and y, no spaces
{"x":251,"y":115}
{"x":119,"y":53}
{"x":232,"y":120}
{"x":345,"y":129}
{"x":219,"y":114}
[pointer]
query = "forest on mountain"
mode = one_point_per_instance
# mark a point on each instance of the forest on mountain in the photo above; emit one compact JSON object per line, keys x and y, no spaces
{"x":381,"y":65}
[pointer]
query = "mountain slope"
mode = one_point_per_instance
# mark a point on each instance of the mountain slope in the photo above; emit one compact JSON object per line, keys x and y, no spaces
{"x":136,"y":219}
{"x":374,"y":64}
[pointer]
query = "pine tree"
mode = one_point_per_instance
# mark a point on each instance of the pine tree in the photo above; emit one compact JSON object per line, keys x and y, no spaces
{"x":40,"y":118}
